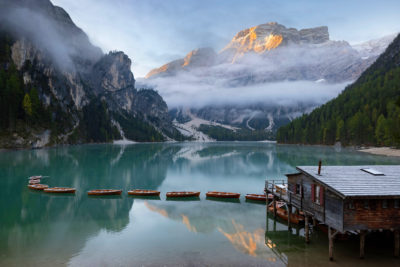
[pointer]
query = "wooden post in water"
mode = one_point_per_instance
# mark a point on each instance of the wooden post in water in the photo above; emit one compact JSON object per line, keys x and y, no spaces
{"x":266,"y":199}
{"x":289,"y":215}
{"x":273,"y":198}
{"x":396,"y":242}
{"x":306,"y":229}
{"x":330,"y":236}
{"x":267,"y":228}
{"x":362,"y":244}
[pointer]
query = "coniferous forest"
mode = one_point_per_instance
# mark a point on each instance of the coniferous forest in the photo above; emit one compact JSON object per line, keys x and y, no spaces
{"x":365,"y":113}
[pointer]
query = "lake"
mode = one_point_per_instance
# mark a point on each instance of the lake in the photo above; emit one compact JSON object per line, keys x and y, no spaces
{"x":39,"y":229}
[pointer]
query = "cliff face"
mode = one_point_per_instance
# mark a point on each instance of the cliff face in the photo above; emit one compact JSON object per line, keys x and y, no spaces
{"x":112,"y":73}
{"x":265,"y":37}
{"x":82,"y":93}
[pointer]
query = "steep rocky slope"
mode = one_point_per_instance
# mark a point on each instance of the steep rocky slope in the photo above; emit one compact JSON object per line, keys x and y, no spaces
{"x":57,"y":87}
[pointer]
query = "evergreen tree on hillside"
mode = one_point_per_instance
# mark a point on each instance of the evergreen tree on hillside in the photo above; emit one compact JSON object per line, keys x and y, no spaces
{"x":365,"y":113}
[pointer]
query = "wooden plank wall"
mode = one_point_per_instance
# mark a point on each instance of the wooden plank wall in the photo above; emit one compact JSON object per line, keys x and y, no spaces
{"x":333,"y":210}
{"x":373,"y":218}
{"x":330,"y":213}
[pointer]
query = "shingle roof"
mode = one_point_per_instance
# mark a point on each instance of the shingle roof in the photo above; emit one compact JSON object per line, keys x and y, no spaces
{"x":351,"y":181}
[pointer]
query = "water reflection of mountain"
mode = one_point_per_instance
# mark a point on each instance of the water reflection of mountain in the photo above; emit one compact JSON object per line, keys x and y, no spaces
{"x":239,"y":223}
{"x":235,"y":160}
{"x":34,"y":224}
{"x":31,"y":219}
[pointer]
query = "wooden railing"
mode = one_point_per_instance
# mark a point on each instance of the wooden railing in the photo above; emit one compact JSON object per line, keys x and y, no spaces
{"x":277,"y":187}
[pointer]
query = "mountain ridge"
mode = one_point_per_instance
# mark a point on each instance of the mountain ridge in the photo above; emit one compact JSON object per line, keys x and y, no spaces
{"x":265,"y":37}
{"x":58,"y":88}
{"x":259,"y":43}
{"x":266,"y":57}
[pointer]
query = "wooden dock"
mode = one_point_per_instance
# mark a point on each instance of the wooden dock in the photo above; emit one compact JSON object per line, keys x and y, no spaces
{"x":347,"y":199}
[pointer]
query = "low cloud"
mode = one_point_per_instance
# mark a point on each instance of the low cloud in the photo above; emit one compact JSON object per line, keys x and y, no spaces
{"x":189,"y":91}
{"x":288,"y":76}
{"x":56,"y":37}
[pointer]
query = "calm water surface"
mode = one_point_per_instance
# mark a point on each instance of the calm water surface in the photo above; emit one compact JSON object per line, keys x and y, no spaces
{"x":38,"y":229}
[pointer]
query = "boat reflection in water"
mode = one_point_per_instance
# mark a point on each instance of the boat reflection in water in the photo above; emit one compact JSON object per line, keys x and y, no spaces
{"x":50,"y":230}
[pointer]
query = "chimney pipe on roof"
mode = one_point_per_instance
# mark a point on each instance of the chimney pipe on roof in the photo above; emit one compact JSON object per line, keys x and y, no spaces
{"x":319,"y":167}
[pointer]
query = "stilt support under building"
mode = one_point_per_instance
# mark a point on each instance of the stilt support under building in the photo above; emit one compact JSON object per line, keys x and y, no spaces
{"x":331,"y":235}
{"x":362,"y":244}
{"x":396,"y":242}
{"x":306,"y":229}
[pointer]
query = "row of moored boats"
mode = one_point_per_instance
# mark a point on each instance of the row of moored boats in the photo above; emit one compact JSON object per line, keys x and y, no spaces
{"x":35,"y":184}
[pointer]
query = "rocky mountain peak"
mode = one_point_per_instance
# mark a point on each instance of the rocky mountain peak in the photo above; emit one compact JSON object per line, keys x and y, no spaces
{"x":265,"y":37}
{"x":113,"y":72}
{"x":201,"y":57}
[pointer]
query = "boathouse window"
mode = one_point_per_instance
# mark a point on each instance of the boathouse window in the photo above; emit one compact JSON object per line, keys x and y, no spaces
{"x":298,"y":189}
{"x":366,"y":204}
{"x":317,"y":189}
{"x":397,"y":203}
{"x":351,"y":205}
{"x":317,"y":194}
{"x":384,"y":203}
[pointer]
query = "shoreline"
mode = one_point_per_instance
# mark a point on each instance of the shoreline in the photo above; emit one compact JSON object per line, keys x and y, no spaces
{"x":383,"y":151}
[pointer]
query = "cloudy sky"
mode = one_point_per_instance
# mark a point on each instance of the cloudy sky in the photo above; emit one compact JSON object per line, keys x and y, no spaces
{"x":153,"y":32}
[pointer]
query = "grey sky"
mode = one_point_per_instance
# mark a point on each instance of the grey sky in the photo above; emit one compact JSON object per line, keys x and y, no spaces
{"x":153,"y":32}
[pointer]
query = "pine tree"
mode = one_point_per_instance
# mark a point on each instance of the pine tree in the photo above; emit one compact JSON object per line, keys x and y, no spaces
{"x":27,"y":105}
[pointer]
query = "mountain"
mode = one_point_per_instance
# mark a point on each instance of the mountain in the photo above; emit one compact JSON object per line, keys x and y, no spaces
{"x":202,"y":57}
{"x":255,"y":81}
{"x":366,"y":113}
{"x":271,"y":52}
{"x":266,"y":37}
{"x":374,"y":47}
{"x":56,"y":87}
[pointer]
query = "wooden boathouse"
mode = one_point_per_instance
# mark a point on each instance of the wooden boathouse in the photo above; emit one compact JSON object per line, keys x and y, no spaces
{"x":347,"y":199}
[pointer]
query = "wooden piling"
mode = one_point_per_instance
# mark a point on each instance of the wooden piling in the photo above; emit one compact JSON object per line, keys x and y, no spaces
{"x":266,"y":191}
{"x":274,"y":204}
{"x":306,"y":229}
{"x":396,"y":242}
{"x":362,"y":244}
{"x":289,"y":215}
{"x":331,"y":236}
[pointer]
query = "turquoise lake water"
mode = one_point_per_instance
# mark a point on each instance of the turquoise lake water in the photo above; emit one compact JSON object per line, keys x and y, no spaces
{"x":39,"y":229}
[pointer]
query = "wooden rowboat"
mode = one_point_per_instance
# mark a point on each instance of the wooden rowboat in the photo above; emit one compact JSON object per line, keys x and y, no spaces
{"x":281,"y":188}
{"x":104,"y":192}
{"x":283,"y":214}
{"x":183,"y":194}
{"x":259,"y":197}
{"x":139,"y":192}
{"x":60,"y":190}
{"x":34,"y":181}
{"x":222,"y":194}
{"x":38,"y":186}
{"x":35,"y":177}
